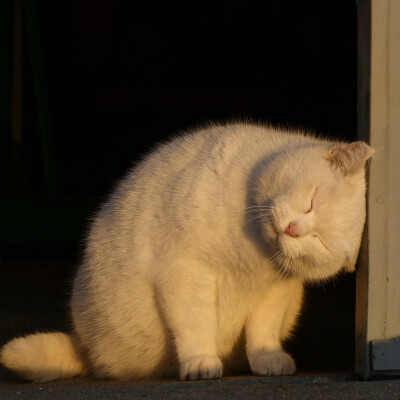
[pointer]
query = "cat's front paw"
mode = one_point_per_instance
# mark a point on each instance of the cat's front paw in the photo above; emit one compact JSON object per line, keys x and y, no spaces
{"x":202,"y":367}
{"x":276,"y":363}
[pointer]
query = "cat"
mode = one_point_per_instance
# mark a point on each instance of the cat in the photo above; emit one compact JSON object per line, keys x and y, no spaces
{"x":195,"y":264}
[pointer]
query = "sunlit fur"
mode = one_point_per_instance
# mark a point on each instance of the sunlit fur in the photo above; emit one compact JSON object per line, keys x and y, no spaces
{"x":188,"y":271}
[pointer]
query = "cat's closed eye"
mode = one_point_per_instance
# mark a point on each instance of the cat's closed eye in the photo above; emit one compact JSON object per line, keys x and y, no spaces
{"x":311,"y":208}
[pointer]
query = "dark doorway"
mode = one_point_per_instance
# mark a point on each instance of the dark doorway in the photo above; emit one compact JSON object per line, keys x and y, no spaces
{"x":117,"y":78}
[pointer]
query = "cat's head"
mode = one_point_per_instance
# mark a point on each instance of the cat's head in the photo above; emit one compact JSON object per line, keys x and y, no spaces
{"x":312,"y":201}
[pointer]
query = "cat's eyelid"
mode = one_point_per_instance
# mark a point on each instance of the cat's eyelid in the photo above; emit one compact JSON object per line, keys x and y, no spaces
{"x":312,"y":201}
{"x":315,"y":193}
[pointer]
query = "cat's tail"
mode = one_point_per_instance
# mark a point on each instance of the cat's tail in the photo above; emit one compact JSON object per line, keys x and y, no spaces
{"x":43,"y":357}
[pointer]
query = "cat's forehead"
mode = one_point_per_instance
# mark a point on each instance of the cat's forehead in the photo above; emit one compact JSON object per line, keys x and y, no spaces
{"x":295,"y":174}
{"x":304,"y":172}
{"x":306,"y":163}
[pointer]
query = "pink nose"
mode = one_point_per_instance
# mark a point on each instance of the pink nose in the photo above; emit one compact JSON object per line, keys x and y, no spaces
{"x":291,"y":229}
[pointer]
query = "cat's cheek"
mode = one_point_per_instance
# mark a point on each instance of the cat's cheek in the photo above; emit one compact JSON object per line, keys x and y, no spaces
{"x":291,"y":247}
{"x":349,"y":268}
{"x":269,"y":232}
{"x":350,"y":263}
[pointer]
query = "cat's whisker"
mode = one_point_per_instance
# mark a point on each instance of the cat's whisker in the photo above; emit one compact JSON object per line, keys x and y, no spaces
{"x":284,"y":264}
{"x":282,"y":272}
{"x":254,"y":210}
{"x":259,"y":206}
{"x":257,"y":217}
{"x":275,"y":258}
{"x":288,"y":266}
{"x":323,"y":243}
{"x":276,"y":255}
{"x":257,"y":212}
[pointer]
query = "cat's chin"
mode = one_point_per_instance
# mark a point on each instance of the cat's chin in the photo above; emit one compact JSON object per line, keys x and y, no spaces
{"x":305,"y":258}
{"x":304,"y":269}
{"x":290,"y":260}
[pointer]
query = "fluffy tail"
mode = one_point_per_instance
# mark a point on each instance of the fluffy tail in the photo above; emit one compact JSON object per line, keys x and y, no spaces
{"x":43,"y":357}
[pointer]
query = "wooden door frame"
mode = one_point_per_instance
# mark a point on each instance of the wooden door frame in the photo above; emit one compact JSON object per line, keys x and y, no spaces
{"x":378,"y":273}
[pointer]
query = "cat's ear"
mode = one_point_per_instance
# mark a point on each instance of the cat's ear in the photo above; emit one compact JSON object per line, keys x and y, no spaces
{"x":349,"y":158}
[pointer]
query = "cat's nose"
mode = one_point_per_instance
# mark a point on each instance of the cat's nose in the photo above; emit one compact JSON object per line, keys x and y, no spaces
{"x":292,"y":230}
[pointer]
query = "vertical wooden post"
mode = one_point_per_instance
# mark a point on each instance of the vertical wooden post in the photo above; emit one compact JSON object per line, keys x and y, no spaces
{"x":378,"y":275}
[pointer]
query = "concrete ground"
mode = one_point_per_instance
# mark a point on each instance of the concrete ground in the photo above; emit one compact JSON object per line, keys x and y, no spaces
{"x":304,"y":386}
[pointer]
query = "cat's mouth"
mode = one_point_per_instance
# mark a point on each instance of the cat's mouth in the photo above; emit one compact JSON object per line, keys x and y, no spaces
{"x":322,"y":242}
{"x":284,"y":239}
{"x":304,"y":257}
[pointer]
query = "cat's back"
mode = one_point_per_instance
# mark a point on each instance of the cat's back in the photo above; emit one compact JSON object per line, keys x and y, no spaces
{"x":202,"y":172}
{"x":213,"y":150}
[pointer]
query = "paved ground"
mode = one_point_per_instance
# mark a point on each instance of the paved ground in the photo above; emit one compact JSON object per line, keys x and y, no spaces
{"x":307,"y":386}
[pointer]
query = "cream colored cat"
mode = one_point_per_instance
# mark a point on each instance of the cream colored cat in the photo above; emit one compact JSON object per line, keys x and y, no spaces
{"x":195,"y":265}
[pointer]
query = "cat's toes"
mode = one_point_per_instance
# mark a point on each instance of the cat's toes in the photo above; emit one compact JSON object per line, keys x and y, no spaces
{"x":203,"y":367}
{"x":276,"y":363}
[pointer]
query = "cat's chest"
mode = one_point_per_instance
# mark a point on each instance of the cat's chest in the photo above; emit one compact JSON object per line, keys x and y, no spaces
{"x":237,"y":295}
{"x":244,"y":287}
{"x":240,"y":288}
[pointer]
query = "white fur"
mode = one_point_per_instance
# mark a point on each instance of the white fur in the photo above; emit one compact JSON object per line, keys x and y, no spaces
{"x":43,"y":357}
{"x":188,"y":270}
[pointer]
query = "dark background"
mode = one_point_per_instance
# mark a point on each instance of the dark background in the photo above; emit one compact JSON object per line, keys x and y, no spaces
{"x":104,"y":81}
